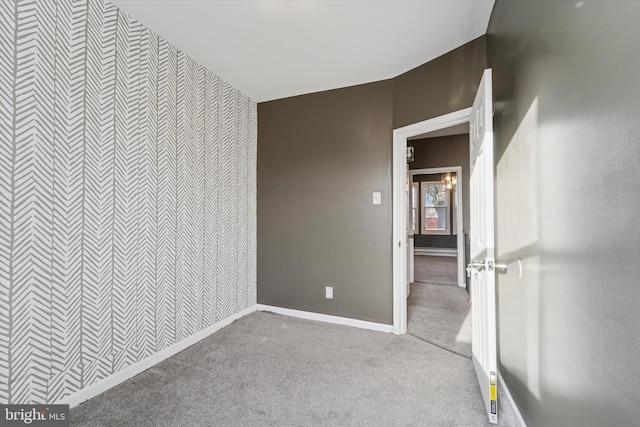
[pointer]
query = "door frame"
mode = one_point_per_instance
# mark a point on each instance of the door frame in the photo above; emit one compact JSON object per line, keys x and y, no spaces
{"x":459,"y":215}
{"x":400,"y":206}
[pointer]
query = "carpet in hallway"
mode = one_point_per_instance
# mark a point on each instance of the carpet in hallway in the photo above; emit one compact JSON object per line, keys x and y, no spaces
{"x":436,"y":269}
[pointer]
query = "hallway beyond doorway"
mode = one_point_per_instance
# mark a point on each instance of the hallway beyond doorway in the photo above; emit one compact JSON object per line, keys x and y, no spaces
{"x":441,"y":315}
{"x":436,"y":269}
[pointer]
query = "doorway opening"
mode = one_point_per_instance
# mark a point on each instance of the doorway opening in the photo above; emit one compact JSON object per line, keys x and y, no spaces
{"x":436,"y":252}
{"x":401,"y":191}
{"x":438,"y":308}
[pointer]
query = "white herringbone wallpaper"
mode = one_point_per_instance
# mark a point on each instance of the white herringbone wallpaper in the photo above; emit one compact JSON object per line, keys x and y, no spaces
{"x":127,"y":196}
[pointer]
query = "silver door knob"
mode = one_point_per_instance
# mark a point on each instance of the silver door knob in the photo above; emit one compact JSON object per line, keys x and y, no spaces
{"x":501,"y":267}
{"x":498,"y":267}
{"x":475,"y":264}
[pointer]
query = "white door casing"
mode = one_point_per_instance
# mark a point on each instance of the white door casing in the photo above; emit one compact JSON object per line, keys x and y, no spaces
{"x":401,"y":206}
{"x":410,"y":241}
{"x":482,"y":269}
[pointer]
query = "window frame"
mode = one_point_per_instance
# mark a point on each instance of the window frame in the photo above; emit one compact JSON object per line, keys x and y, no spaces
{"x":414,"y":208}
{"x":423,"y":223}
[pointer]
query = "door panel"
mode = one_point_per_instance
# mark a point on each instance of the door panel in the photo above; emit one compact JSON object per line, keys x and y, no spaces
{"x":482,"y":266}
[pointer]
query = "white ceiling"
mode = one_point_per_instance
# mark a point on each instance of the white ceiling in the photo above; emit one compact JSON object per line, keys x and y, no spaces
{"x":272,"y":49}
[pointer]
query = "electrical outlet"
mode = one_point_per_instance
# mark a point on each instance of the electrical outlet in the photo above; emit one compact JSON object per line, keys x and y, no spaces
{"x":328,"y":292}
{"x":377,"y":197}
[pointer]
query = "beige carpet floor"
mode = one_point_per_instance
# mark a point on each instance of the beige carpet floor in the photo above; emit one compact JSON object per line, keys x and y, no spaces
{"x":440,"y":315}
{"x":271,"y":370}
{"x":436,"y":269}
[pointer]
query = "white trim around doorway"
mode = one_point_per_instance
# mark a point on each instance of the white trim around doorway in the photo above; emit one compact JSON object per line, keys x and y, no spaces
{"x":400,"y":206}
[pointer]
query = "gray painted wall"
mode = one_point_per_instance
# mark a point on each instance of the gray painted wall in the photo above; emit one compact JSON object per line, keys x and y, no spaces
{"x":445,"y":84}
{"x":320,"y":157}
{"x":568,"y":195}
{"x":127,"y":197}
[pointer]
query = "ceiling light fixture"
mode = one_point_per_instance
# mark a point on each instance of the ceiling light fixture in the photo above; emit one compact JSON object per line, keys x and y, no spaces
{"x":450,"y":180}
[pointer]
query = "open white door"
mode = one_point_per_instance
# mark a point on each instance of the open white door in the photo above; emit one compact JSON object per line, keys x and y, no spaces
{"x":482,"y":268}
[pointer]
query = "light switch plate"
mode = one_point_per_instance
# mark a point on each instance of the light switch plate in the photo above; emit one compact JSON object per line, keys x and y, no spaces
{"x":377,"y":198}
{"x":328,"y":292}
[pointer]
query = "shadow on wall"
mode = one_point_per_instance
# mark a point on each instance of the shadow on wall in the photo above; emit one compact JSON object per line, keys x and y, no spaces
{"x":561,"y":409}
{"x":517,"y":244}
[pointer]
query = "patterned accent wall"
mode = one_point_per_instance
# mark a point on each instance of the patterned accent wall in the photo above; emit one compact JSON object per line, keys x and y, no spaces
{"x":127,"y":196}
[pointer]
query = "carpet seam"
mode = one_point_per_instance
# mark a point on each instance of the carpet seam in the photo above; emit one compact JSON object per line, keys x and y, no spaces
{"x":439,"y":346}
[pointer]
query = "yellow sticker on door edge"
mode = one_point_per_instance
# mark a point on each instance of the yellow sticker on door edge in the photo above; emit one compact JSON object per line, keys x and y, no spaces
{"x":493,"y":392}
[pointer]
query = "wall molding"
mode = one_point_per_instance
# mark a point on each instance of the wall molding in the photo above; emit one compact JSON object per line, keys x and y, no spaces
{"x":139,"y":367}
{"x":327,"y":318}
{"x":511,"y":401}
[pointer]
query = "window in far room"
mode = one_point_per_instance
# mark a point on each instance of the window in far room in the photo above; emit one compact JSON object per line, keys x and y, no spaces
{"x":435,"y":208}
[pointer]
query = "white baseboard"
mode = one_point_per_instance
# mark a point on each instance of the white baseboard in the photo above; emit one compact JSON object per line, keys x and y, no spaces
{"x":450,"y":252}
{"x":511,"y":401}
{"x":346,"y":321}
{"x":133,"y":370}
